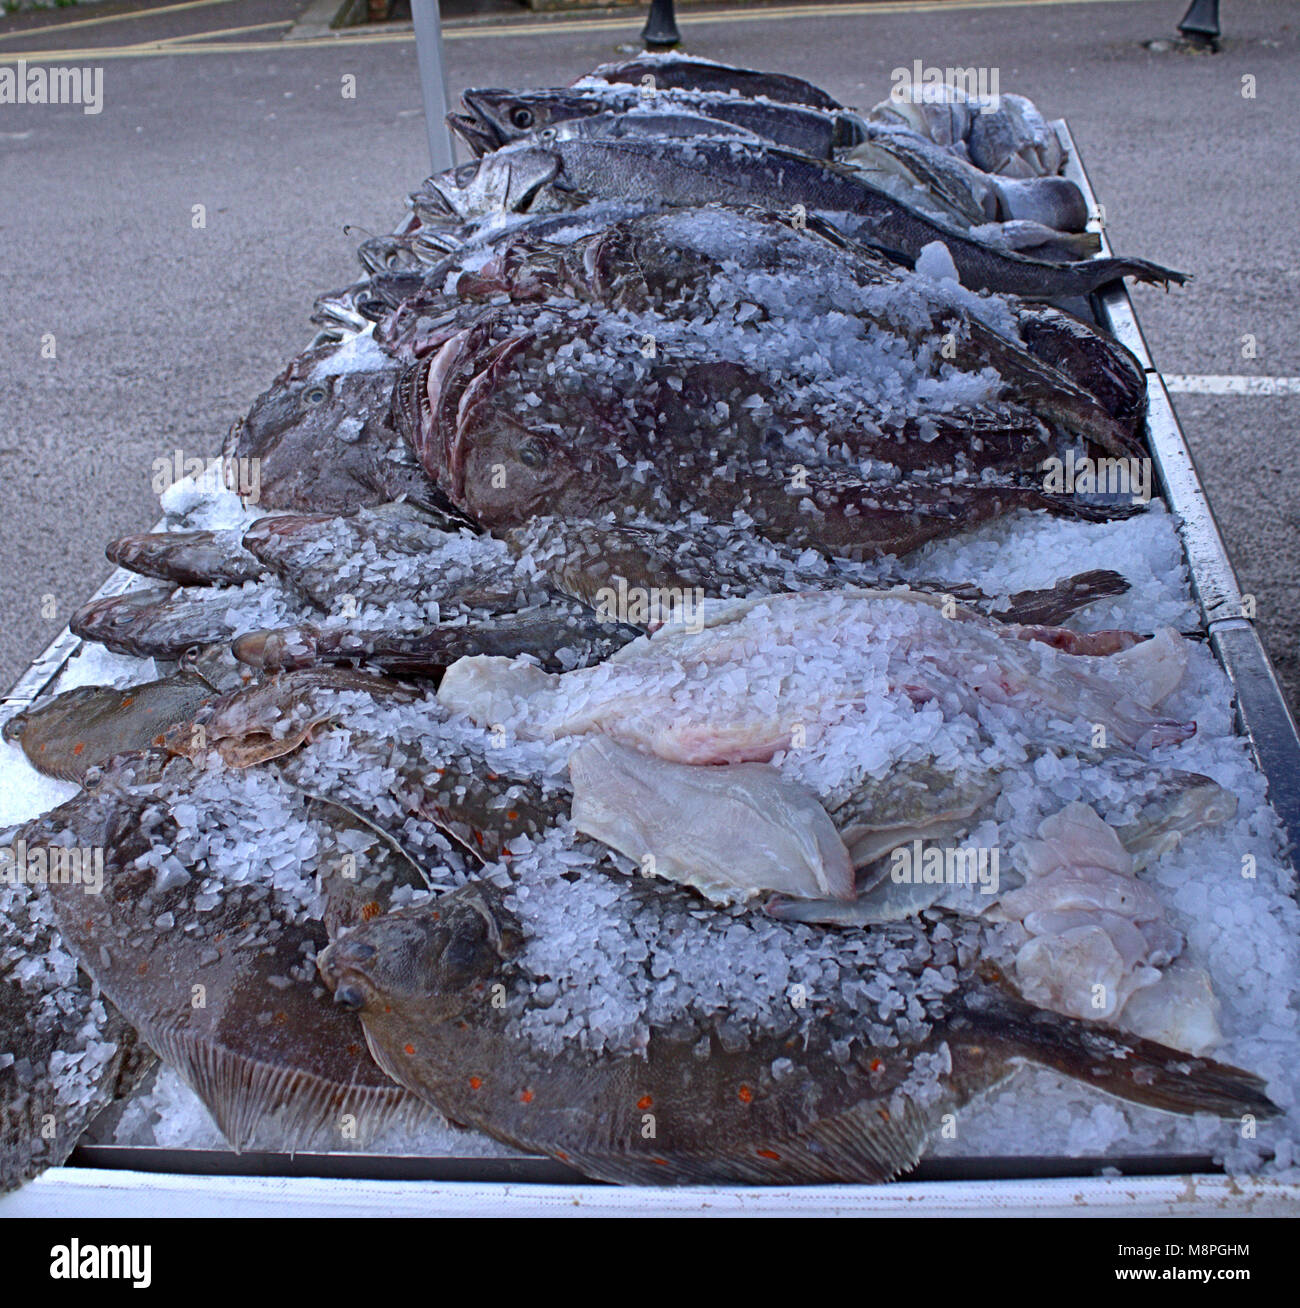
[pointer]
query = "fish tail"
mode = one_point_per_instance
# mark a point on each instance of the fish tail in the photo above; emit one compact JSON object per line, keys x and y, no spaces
{"x":1051,"y":607}
{"x":1071,"y":506}
{"x":1142,"y":270}
{"x":1123,"y":1065}
{"x":1168,"y":731}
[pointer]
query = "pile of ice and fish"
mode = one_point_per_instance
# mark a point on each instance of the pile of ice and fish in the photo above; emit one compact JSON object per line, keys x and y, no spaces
{"x":665,"y":688}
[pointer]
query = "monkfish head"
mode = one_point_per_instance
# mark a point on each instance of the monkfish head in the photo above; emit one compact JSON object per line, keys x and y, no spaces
{"x":489,"y":454}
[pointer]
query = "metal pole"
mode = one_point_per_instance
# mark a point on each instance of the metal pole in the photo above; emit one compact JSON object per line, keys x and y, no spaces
{"x":1201,"y":21}
{"x":433,"y":81}
{"x":660,"y":31}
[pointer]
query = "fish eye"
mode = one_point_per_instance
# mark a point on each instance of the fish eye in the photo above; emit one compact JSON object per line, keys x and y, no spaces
{"x":522,"y":118}
{"x":316,"y":395}
{"x":531,"y":455}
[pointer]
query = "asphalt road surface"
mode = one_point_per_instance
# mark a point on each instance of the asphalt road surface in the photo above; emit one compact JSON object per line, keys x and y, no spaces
{"x":164,"y":332}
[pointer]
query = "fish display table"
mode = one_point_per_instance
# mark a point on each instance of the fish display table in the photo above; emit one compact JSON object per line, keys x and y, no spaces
{"x":105,"y":1178}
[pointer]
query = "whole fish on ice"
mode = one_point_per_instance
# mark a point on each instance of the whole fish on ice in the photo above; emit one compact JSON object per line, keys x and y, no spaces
{"x":494,"y":118}
{"x":699,"y":171}
{"x":760,"y":675}
{"x":849,"y":1087}
{"x":676,"y":71}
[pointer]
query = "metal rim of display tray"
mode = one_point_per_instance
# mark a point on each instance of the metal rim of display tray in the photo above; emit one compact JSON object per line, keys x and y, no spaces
{"x":132,"y":1180}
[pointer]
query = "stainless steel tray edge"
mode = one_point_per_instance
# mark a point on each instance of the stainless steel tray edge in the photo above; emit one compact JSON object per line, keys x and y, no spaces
{"x":1263,"y":715}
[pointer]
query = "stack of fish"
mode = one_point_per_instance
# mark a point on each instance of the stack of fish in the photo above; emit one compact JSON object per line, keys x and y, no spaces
{"x":537,"y":752}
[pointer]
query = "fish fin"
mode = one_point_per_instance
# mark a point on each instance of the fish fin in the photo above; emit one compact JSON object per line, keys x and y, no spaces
{"x":867,"y":1145}
{"x":242,"y":1094}
{"x":1121,"y":1064}
{"x":1071,"y":506}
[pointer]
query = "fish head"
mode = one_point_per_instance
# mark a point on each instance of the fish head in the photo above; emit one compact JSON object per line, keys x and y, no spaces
{"x":278,"y":649}
{"x":494,"y":462}
{"x":61,"y":712}
{"x":437,"y":958}
{"x":114,"y":619}
{"x":505,"y":181}
{"x":299,"y":397}
{"x":321,"y":436}
{"x":510,"y":115}
{"x":508,"y":470}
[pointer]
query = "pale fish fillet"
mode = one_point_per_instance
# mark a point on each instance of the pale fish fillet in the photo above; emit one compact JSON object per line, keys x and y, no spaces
{"x":1073,"y":838}
{"x":1081,"y":888}
{"x":1098,"y":934}
{"x":1085,"y":972}
{"x":766,"y":672}
{"x":1129,"y":942}
{"x":1154,"y":669}
{"x":731,"y":832}
{"x":1180,"y":1010}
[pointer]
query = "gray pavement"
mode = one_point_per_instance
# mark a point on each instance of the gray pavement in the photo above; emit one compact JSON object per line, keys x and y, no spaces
{"x":165,"y":333}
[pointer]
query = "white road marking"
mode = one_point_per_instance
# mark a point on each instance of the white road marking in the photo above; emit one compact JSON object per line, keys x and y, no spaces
{"x":1191,"y":384}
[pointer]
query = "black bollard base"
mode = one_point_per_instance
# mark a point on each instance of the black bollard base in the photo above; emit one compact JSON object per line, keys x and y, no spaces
{"x":660,"y":31}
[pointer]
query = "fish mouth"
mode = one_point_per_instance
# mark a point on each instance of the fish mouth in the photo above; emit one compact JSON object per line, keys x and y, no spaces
{"x":341,"y":967}
{"x":433,"y":395}
{"x":446,"y":401}
{"x":496,"y":361}
{"x":490,"y":109}
{"x":476,"y":130}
